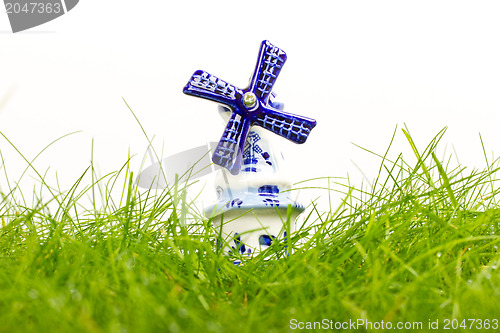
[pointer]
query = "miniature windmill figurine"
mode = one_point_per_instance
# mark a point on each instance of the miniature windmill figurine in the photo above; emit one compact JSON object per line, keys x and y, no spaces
{"x":245,"y":152}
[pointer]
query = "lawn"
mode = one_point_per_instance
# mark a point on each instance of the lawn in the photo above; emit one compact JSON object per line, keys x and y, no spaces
{"x":417,"y":250}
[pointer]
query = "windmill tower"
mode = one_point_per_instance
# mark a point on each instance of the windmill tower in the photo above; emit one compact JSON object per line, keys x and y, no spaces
{"x":252,"y":198}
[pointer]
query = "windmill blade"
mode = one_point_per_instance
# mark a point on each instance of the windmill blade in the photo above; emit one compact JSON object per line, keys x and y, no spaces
{"x":207,"y":86}
{"x":292,"y":127}
{"x":271,"y":60}
{"x":189,"y":164}
{"x":228,"y":153}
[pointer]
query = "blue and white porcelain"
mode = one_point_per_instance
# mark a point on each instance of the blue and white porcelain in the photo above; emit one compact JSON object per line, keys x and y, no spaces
{"x":252,"y":195}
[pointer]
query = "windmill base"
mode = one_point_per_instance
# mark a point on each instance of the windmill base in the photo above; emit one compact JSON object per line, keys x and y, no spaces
{"x":245,"y":233}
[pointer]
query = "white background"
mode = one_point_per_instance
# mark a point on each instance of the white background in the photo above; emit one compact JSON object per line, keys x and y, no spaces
{"x":359,"y":67}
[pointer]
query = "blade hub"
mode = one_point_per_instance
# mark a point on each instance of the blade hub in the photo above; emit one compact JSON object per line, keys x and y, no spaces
{"x":249,"y":100}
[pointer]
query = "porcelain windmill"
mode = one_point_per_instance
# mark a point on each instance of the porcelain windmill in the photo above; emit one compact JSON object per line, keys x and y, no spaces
{"x":253,"y":198}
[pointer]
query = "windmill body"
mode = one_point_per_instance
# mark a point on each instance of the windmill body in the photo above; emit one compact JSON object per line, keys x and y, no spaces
{"x":253,"y":197}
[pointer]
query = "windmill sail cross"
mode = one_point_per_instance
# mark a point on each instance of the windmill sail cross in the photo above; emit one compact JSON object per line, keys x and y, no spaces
{"x":250,"y":106}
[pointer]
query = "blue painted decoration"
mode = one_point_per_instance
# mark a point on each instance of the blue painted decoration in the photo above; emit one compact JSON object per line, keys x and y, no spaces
{"x":250,"y":106}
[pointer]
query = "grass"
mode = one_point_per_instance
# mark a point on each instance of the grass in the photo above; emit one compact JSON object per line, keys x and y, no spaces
{"x":420,"y":245}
